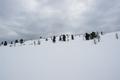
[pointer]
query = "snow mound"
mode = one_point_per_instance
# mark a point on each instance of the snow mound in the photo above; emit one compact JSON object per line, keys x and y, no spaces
{"x":74,"y":60}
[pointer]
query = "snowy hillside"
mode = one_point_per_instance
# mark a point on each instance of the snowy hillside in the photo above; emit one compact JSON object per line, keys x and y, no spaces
{"x":74,"y":60}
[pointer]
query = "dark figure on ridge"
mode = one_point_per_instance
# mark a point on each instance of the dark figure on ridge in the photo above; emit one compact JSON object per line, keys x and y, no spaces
{"x":11,"y":42}
{"x":64,"y":38}
{"x":1,"y":43}
{"x":116,"y":36}
{"x":5,"y":43}
{"x":67,"y":37}
{"x":40,"y":37}
{"x":60,"y":38}
{"x":46,"y":39}
{"x":72,"y":37}
{"x":101,"y":33}
{"x":93,"y":35}
{"x":87,"y":36}
{"x":16,"y":41}
{"x":54,"y":39}
{"x":21,"y":41}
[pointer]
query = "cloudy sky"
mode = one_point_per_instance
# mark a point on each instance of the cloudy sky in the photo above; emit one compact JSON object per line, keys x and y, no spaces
{"x":30,"y":18}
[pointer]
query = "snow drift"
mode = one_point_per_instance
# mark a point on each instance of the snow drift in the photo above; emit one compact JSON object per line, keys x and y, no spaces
{"x":73,"y":60}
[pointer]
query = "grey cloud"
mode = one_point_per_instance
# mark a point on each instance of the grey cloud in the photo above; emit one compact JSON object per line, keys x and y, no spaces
{"x":30,"y":18}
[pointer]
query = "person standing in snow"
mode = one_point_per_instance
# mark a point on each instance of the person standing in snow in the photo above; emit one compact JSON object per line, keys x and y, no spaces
{"x":16,"y":41}
{"x":67,"y":36}
{"x":98,"y":37}
{"x":87,"y":36}
{"x":93,"y":35}
{"x":38,"y":42}
{"x":54,"y":39}
{"x":34,"y":43}
{"x":46,"y":39}
{"x":72,"y":37}
{"x":5,"y":43}
{"x":101,"y":33}
{"x":21,"y":41}
{"x":60,"y":38}
{"x":1,"y":43}
{"x":116,"y":36}
{"x":64,"y":37}
{"x":40,"y":37}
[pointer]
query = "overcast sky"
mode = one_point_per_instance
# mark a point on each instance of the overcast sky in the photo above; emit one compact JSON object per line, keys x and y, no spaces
{"x":29,"y":18}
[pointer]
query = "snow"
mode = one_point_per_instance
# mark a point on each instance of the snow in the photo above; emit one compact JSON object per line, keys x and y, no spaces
{"x":74,"y":60}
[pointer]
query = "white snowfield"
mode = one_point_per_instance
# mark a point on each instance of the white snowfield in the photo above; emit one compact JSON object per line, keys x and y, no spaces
{"x":74,"y":60}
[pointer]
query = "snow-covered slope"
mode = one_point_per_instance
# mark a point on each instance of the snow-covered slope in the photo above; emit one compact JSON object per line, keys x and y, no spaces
{"x":73,"y":60}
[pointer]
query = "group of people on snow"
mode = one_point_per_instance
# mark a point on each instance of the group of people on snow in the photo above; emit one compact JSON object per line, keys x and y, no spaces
{"x":90,"y":36}
{"x":62,"y":38}
{"x":5,"y":43}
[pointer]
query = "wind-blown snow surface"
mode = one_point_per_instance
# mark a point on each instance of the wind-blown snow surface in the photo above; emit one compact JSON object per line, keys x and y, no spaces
{"x":74,"y":60}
